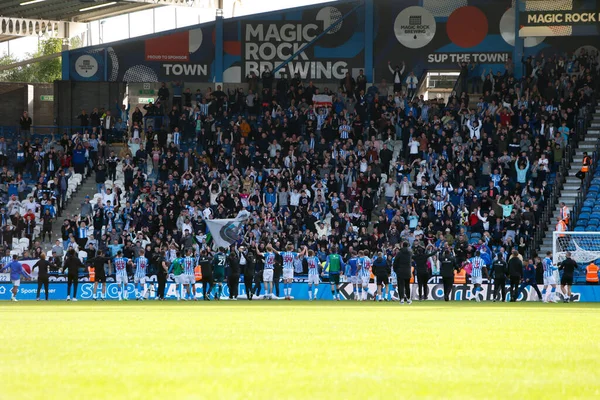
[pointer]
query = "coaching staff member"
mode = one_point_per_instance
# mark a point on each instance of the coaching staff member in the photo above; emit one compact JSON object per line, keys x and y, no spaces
{"x":447,"y":267}
{"x":72,"y":264}
{"x":499,"y":271}
{"x":247,"y":262}
{"x":42,"y":265}
{"x":99,"y":274}
{"x":207,"y":274}
{"x":162,"y":271}
{"x":420,"y":257}
{"x":403,"y":270}
{"x":515,"y":271}
{"x":233,"y":278}
{"x":568,"y":266}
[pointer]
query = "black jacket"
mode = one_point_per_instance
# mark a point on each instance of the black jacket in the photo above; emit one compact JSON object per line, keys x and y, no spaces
{"x":381,"y":267}
{"x":73,"y":263}
{"x":499,"y":269}
{"x":234,"y":264}
{"x":206,"y":267}
{"x":447,"y":266}
{"x":402,"y":263}
{"x":42,"y":266}
{"x":421,"y":262}
{"x":515,"y":267}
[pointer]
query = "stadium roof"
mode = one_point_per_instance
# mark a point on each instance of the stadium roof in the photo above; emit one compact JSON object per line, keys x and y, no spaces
{"x":55,"y":11}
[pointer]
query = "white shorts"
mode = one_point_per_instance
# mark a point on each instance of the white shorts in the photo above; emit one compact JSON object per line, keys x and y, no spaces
{"x":476,"y":280}
{"x":122,"y":279}
{"x":313,"y":279}
{"x":16,"y":282}
{"x":180,"y":279}
{"x":140,"y":280}
{"x":288,"y":273}
{"x":549,"y":280}
{"x":364,"y":280}
{"x":268,"y":275}
{"x":190,"y":279}
{"x":355,"y":280}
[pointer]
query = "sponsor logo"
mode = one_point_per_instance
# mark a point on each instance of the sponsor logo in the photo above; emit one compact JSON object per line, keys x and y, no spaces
{"x":414,"y":27}
{"x":86,"y":66}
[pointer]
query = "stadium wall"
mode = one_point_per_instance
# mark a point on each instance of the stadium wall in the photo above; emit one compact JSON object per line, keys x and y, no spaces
{"x":58,"y":291}
{"x":339,"y":37}
{"x":33,"y":97}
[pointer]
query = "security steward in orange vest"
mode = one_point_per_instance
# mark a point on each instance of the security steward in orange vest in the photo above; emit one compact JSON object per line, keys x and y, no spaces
{"x":591,"y":274}
{"x":587,"y":161}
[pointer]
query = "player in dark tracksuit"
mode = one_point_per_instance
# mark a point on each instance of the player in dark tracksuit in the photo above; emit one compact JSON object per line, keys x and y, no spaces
{"x":499,"y":271}
{"x":529,"y":279}
{"x":447,"y":266}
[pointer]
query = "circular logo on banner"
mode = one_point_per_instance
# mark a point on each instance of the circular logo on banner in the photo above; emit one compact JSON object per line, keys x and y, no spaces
{"x":86,"y":66}
{"x":329,"y":16}
{"x":414,"y":27}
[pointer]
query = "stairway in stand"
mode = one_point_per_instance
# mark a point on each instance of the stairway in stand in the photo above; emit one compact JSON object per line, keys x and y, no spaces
{"x":87,"y":188}
{"x":572,"y":184}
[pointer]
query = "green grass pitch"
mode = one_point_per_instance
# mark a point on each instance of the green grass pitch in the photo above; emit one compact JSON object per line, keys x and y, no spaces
{"x":299,"y":350}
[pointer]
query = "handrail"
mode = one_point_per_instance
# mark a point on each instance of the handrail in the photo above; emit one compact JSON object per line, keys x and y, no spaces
{"x":422,"y":82}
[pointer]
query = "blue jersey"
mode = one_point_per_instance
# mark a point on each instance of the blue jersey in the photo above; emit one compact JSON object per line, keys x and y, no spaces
{"x":353,"y":264}
{"x":477,"y":263}
{"x":548,"y":267}
{"x":121,"y":265}
{"x":141,"y":266}
{"x":288,"y":259}
{"x":4,"y":261}
{"x":269,"y":260}
{"x":313,"y":265}
{"x":189,"y":263}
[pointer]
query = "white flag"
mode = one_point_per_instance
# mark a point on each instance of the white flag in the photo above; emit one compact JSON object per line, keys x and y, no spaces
{"x":226,"y":232}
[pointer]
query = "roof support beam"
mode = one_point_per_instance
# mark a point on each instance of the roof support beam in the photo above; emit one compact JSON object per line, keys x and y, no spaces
{"x":20,"y":27}
{"x":30,"y":61}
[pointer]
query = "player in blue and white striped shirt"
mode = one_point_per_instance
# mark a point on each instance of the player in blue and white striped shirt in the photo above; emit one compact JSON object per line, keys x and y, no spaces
{"x":313,"y":274}
{"x":120,"y":264}
{"x":364,"y":273}
{"x":269,"y":266}
{"x":549,"y":279}
{"x":189,"y":264}
{"x":139,"y":278}
{"x":479,"y":268}
{"x":288,"y":257}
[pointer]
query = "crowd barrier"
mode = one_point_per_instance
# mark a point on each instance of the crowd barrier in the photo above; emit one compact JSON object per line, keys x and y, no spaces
{"x":58,"y":291}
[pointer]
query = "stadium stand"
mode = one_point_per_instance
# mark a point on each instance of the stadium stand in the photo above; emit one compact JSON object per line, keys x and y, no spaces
{"x":367,"y":171}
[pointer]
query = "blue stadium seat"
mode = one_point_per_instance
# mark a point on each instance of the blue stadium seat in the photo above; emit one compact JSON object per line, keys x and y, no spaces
{"x":589,"y":203}
{"x":591,"y":228}
{"x":475,"y":235}
{"x":584,"y":216}
{"x":586,"y":209}
{"x":579,"y":229}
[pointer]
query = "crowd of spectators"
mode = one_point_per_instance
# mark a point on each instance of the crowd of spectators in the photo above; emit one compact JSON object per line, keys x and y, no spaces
{"x":373,"y":168}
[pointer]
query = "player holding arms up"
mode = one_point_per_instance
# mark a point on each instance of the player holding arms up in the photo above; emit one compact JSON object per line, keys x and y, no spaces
{"x":313,"y":275}
{"x":139,"y":279}
{"x":335,"y":264}
{"x":269,"y":266}
{"x":477,"y":275}
{"x":549,"y":278}
{"x":120,"y":263}
{"x":189,"y":263}
{"x":289,"y":256}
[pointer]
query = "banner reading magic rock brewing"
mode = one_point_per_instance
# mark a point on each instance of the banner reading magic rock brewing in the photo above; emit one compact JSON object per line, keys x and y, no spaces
{"x":268,"y":43}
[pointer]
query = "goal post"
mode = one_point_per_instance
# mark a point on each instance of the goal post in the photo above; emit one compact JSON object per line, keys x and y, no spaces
{"x":583,"y":246}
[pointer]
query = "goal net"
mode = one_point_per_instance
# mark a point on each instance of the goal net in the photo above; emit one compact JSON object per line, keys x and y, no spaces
{"x":583,"y":246}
